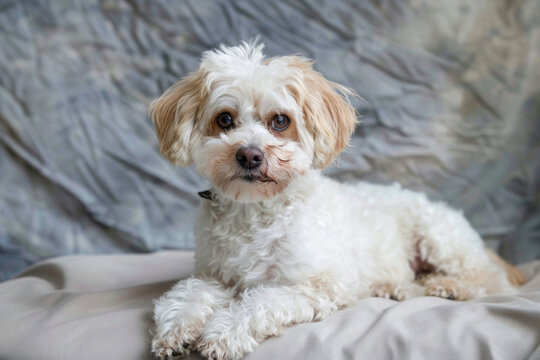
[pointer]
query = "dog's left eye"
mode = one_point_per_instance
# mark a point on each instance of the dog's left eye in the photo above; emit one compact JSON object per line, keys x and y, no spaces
{"x":280,"y":122}
{"x":225,"y":120}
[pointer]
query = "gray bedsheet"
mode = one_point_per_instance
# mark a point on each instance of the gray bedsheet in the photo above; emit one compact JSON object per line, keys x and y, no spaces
{"x":100,"y":307}
{"x":452,"y":108}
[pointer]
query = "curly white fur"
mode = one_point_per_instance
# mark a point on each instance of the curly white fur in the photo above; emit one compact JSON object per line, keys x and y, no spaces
{"x":293,"y":246}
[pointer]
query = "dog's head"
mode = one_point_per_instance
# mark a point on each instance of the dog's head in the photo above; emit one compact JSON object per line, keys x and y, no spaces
{"x":251,"y":125}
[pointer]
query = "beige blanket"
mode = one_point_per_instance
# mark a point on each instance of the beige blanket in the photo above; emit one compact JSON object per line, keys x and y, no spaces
{"x":99,"y":307}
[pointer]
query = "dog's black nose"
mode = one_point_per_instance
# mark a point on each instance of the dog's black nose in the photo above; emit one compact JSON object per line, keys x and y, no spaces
{"x":249,"y":157}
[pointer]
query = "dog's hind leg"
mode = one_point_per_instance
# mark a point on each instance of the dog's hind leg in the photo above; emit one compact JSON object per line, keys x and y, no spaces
{"x":397,"y":291}
{"x":515,"y":276}
{"x":462,"y":269}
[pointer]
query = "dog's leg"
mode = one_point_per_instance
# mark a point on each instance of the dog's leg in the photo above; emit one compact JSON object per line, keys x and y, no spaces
{"x":491,"y":277}
{"x":397,"y":291}
{"x":447,"y":242}
{"x":454,"y":287}
{"x":515,"y":276}
{"x":259,"y":312}
{"x":182,"y":312}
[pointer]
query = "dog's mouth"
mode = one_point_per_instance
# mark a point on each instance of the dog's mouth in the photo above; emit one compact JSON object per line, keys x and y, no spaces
{"x":253,"y":178}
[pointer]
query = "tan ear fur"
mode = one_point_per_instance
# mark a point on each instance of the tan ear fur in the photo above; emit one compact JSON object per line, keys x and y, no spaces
{"x":328,"y":114}
{"x":174,"y":115}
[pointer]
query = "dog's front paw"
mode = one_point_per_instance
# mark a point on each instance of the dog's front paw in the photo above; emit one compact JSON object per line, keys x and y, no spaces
{"x":226,"y":346}
{"x":176,"y":342}
{"x":226,"y":336}
{"x":169,"y":347}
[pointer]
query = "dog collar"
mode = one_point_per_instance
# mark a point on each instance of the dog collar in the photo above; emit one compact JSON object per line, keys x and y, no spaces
{"x":207,"y":194}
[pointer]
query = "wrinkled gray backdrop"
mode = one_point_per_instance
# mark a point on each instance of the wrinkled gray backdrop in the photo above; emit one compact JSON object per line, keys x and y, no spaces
{"x":452,"y":108}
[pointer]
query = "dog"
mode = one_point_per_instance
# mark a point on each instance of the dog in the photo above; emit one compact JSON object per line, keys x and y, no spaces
{"x":277,"y":243}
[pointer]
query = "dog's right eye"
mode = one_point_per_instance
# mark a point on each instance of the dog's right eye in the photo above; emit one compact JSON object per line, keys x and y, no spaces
{"x":225,"y":121}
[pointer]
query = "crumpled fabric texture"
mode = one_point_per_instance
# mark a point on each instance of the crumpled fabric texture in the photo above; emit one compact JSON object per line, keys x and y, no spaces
{"x":451,"y":107}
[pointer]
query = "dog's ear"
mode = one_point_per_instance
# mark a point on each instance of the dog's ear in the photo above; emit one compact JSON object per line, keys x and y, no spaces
{"x":175,"y":114}
{"x":329,"y":116}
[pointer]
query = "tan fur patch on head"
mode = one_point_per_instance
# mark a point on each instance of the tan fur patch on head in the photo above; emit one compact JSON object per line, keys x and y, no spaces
{"x":329,"y":116}
{"x":174,"y":115}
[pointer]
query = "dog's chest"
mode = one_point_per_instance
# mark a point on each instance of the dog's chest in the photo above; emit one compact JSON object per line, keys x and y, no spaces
{"x":266,"y":255}
{"x":250,"y":245}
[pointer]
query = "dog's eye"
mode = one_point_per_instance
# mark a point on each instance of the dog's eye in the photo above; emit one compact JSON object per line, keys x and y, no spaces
{"x":280,"y":122}
{"x":225,"y":120}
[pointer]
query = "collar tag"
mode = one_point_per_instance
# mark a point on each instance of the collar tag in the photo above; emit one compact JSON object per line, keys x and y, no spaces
{"x":207,"y":194}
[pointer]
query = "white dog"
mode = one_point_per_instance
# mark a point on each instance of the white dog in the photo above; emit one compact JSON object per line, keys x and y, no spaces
{"x":277,"y":243}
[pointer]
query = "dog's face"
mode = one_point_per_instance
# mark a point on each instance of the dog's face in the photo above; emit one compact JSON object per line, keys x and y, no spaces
{"x":251,"y":125}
